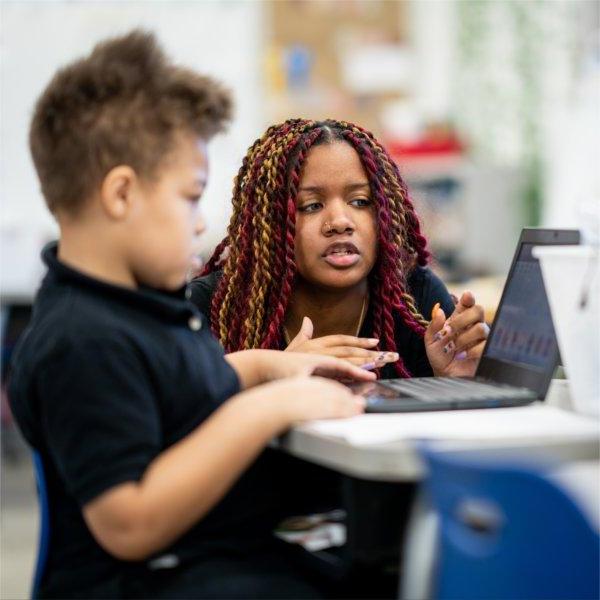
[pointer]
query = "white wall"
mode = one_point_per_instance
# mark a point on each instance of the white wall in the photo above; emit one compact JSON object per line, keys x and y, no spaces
{"x":572,"y":137}
{"x":486,"y":97}
{"x":432,"y":33}
{"x":222,"y":39}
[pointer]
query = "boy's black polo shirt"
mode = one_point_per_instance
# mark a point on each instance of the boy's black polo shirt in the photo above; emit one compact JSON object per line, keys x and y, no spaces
{"x":103,"y":380}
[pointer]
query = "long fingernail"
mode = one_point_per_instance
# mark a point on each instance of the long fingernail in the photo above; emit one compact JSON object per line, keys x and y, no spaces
{"x":434,"y":310}
{"x":386,"y":357}
{"x":368,"y":366}
{"x":447,"y":330}
{"x":372,"y":340}
{"x":449,"y":347}
{"x":461,"y":355}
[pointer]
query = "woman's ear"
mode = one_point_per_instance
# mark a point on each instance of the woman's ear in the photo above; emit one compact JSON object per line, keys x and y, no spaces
{"x":118,"y":192}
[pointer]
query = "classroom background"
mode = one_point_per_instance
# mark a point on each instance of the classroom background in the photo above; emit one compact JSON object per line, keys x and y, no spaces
{"x":489,"y":107}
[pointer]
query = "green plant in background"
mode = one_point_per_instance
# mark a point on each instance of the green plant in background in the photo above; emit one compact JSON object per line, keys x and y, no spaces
{"x":503,"y":57}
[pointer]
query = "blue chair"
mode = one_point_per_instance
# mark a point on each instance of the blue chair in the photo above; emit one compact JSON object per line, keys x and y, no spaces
{"x":506,"y":531}
{"x":44,"y":532}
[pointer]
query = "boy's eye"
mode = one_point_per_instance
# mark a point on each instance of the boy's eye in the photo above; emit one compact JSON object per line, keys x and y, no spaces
{"x":309,"y":207}
{"x":361,"y":202}
{"x":195,"y":199}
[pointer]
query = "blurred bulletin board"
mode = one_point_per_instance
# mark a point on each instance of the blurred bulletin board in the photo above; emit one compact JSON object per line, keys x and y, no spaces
{"x":341,"y":59}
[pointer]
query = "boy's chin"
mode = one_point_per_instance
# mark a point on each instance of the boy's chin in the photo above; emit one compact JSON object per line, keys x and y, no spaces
{"x":168,"y":284}
{"x":175,"y":284}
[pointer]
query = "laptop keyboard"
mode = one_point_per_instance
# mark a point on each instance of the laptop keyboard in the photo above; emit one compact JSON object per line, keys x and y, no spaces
{"x":442,"y":389}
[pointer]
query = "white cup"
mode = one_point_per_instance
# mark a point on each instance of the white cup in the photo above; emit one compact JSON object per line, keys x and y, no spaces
{"x":572,"y":279}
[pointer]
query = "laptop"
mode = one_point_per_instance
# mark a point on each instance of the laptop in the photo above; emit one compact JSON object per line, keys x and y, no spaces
{"x":519,"y":357}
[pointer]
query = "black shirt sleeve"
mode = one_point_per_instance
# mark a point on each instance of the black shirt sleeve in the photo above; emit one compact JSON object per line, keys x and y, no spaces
{"x":99,"y":417}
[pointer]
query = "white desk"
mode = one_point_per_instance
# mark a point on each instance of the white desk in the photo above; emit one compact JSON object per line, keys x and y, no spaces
{"x":398,"y":460}
{"x":378,"y":478}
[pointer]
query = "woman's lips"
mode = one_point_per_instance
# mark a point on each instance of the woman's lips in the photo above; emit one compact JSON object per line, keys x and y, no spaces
{"x":341,"y":254}
{"x":342,"y":260}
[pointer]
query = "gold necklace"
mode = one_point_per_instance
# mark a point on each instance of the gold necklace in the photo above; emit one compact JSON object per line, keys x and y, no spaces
{"x":361,"y":318}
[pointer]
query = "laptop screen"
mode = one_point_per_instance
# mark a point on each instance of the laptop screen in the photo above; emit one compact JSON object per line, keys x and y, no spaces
{"x":523,"y":332}
{"x":521,"y":349}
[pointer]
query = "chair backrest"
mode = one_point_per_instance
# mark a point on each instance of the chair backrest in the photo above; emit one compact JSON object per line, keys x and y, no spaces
{"x":506,"y":531}
{"x":44,"y":531}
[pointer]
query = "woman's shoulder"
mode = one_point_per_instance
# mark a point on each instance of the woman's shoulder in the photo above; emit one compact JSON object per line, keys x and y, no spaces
{"x":423,"y":278}
{"x":201,"y":290}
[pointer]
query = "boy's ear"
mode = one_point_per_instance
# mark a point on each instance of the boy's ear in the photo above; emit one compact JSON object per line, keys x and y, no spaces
{"x":118,"y":192}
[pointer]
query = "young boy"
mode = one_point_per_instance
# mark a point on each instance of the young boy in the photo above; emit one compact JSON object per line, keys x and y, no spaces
{"x":117,"y":383}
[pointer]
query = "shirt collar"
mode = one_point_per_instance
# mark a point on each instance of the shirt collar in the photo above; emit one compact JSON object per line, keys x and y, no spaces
{"x":165,"y":304}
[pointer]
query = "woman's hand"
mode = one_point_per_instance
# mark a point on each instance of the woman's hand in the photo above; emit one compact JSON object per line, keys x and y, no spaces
{"x":454,"y":346}
{"x":355,"y":350}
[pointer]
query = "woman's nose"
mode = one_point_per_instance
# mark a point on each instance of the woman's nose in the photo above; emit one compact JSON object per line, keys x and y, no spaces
{"x":337,"y":221}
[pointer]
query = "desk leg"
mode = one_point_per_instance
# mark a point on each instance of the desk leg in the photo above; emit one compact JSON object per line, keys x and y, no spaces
{"x":419,"y":551}
{"x":377,"y":513}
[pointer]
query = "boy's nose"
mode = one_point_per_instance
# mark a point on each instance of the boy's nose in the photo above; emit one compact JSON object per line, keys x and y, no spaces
{"x":200,"y":225}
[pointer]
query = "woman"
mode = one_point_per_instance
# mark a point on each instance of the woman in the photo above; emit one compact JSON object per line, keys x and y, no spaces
{"x":324,"y":253}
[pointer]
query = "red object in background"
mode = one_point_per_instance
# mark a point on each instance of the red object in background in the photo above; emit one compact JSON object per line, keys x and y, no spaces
{"x":434,"y":143}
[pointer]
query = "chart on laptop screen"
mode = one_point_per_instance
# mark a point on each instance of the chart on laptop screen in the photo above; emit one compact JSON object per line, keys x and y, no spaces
{"x":524,"y":333}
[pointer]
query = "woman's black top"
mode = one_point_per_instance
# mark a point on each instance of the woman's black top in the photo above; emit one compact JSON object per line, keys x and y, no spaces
{"x":425,"y":287}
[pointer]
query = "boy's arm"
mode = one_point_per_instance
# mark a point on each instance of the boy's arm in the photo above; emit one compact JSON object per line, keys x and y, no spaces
{"x":134,"y":520}
{"x":254,"y":367}
{"x":249,"y":367}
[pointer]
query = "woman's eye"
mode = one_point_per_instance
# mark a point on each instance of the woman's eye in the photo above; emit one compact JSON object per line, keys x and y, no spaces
{"x":361,"y":202}
{"x":310,"y":207}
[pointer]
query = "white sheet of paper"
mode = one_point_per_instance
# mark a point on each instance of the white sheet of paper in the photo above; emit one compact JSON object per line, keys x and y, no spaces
{"x":523,"y":422}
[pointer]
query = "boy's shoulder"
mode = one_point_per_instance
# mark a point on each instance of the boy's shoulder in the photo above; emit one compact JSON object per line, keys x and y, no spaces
{"x":65,"y":322}
{"x":71,"y":318}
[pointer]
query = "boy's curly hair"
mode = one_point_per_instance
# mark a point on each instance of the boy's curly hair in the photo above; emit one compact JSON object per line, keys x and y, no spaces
{"x":122,"y":104}
{"x":259,"y":270}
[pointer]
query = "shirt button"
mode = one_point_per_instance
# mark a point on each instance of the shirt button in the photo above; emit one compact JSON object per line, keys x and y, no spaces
{"x":188,"y":293}
{"x":195,"y":323}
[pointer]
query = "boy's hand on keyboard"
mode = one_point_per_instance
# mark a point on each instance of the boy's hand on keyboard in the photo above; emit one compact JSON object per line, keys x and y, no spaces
{"x":254,"y":367}
{"x":285,"y":402}
{"x":307,"y":398}
{"x":284,"y":364}
{"x":454,"y":345}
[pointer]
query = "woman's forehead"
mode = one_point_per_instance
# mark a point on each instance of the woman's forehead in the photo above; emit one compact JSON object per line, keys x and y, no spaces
{"x":338,"y":161}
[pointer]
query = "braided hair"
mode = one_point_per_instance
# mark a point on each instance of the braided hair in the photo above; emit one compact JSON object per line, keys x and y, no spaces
{"x":257,"y":255}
